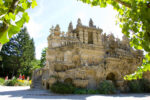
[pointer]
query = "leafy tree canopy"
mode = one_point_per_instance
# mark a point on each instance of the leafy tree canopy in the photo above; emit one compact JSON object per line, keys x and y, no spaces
{"x":18,"y":55}
{"x":134,"y":19}
{"x":12,"y":17}
{"x":43,"y":57}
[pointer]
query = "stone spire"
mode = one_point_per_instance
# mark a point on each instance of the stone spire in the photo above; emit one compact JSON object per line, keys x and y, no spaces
{"x":91,"y":23}
{"x":52,"y":30}
{"x":57,"y":30}
{"x":79,"y":21}
{"x":125,"y":39}
{"x":70,"y":27}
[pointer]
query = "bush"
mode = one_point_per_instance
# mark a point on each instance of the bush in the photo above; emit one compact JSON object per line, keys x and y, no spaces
{"x":62,"y":88}
{"x":90,"y":91}
{"x":2,"y":81}
{"x":135,"y":86}
{"x":145,"y":85}
{"x":80,"y":91}
{"x":139,"y":86}
{"x":106,"y":87}
{"x":24,"y":82}
{"x":85,"y":91}
{"x":12,"y":82}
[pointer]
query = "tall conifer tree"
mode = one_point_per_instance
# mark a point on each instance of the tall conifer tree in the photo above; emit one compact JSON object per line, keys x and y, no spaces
{"x":18,"y":54}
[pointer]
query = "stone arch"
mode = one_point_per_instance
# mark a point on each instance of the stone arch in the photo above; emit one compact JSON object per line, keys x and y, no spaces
{"x":112,"y":77}
{"x":47,"y":86}
{"x":68,"y":81}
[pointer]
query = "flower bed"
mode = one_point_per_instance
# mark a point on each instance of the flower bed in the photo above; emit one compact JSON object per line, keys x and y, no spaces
{"x":17,"y":82}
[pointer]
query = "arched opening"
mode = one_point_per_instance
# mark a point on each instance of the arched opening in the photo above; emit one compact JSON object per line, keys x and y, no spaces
{"x":47,"y":85}
{"x":111,"y":76}
{"x":68,"y":81}
{"x":90,"y":38}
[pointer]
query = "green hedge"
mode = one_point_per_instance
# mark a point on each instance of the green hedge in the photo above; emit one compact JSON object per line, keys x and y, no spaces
{"x":13,"y":82}
{"x":85,"y":91}
{"x":106,"y":87}
{"x":139,"y":86}
{"x":62,"y":88}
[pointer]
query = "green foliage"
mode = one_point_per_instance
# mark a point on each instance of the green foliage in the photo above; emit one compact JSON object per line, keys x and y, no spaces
{"x":106,"y":87}
{"x":146,"y":85}
{"x":15,"y":82}
{"x":134,"y":19}
{"x":9,"y":9}
{"x":43,"y":57}
{"x":139,"y":86}
{"x":62,"y":88}
{"x":85,"y":91}
{"x":135,"y":86}
{"x":80,"y":91}
{"x":35,"y":64}
{"x":90,"y":91}
{"x":18,"y":55}
{"x":2,"y":81}
{"x":12,"y":82}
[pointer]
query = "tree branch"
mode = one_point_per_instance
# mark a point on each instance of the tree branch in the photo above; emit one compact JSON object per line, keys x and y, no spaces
{"x":13,"y":6}
{"x":123,"y":3}
{"x":11,"y":9}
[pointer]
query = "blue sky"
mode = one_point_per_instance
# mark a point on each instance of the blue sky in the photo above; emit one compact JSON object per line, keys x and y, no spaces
{"x":52,"y":12}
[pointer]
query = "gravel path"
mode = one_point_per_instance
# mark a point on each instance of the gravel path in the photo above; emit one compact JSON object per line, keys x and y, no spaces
{"x":25,"y":93}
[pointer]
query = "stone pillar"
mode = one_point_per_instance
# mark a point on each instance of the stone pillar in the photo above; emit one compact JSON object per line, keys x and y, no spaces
{"x":81,"y":35}
{"x":99,"y":39}
{"x":94,"y":37}
{"x":85,"y":36}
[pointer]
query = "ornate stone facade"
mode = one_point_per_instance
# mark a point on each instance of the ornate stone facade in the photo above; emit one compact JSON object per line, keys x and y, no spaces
{"x":84,"y":56}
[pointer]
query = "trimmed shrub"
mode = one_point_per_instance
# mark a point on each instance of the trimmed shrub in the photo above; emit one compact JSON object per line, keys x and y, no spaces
{"x":85,"y":91}
{"x":106,"y":87}
{"x":134,"y":86}
{"x":80,"y":91}
{"x":139,"y":86}
{"x":12,"y":82}
{"x":62,"y":88}
{"x":145,"y":85}
{"x":90,"y":91}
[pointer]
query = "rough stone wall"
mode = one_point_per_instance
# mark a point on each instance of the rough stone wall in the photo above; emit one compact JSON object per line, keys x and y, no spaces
{"x":85,"y":56}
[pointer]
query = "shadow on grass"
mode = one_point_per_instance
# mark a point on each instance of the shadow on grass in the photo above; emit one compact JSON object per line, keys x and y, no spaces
{"x":45,"y":94}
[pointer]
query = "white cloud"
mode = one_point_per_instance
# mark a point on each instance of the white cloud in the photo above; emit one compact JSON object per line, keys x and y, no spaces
{"x":34,"y":28}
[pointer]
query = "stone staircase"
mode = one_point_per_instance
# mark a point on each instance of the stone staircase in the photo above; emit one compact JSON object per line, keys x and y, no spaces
{"x":37,"y":84}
